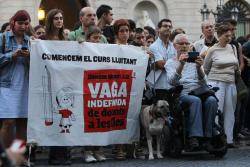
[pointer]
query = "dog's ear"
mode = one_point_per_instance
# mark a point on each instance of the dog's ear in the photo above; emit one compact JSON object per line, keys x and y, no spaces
{"x":153,"y":109}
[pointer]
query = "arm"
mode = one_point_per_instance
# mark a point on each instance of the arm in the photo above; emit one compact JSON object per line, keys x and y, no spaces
{"x":241,"y":58}
{"x":5,"y":58}
{"x":159,"y":61}
{"x":200,"y":72}
{"x":208,"y":62}
{"x":160,"y":64}
{"x":104,"y":39}
{"x":72,"y":116}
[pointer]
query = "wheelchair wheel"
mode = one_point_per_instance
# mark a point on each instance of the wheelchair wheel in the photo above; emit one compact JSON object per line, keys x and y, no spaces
{"x":221,"y":153}
{"x":174,"y":147}
{"x":220,"y":146}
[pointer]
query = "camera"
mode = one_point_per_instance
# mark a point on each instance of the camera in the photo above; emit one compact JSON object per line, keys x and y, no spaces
{"x":192,"y":56}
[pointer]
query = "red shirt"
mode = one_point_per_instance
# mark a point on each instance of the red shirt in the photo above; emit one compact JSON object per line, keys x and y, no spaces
{"x":65,"y":113}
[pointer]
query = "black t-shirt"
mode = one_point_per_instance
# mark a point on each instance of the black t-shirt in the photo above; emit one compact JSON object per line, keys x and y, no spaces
{"x":214,"y":41}
{"x":108,"y":32}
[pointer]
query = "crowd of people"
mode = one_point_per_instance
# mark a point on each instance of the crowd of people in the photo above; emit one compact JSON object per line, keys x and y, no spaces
{"x":221,"y":57}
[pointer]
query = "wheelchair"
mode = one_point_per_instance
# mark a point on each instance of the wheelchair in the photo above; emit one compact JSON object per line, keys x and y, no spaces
{"x":174,"y":136}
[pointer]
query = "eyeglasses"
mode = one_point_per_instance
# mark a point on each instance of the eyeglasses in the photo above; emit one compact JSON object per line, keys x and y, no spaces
{"x":58,"y":18}
{"x":233,"y":29}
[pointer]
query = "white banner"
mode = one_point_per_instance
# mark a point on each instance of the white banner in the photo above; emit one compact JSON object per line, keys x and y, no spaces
{"x":84,"y":94}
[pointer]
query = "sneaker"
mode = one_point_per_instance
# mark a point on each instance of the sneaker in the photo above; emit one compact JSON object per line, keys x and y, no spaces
{"x":245,"y":132}
{"x":241,"y":136}
{"x":99,"y":156}
{"x":88,"y":157}
{"x":138,"y":153}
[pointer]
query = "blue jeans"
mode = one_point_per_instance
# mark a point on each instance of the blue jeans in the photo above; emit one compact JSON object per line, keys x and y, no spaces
{"x":200,"y":123}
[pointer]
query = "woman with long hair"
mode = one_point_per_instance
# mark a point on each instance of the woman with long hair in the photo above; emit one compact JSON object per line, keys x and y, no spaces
{"x":54,"y":25}
{"x":220,"y":65}
{"x":121,"y":30}
{"x":58,"y":155}
{"x":14,"y":71}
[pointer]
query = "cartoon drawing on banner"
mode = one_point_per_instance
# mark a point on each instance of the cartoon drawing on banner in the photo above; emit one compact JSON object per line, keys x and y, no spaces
{"x":47,"y":97}
{"x":65,"y":103}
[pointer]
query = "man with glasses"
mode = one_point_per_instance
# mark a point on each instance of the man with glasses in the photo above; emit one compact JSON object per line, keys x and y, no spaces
{"x":87,"y":18}
{"x":190,"y":74}
{"x":201,"y":46}
{"x":162,"y":50}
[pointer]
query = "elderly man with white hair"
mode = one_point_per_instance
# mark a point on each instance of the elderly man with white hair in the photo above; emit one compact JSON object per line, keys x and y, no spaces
{"x":191,"y":76}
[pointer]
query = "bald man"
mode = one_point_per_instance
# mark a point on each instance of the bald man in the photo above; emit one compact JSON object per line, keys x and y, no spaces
{"x":87,"y":18}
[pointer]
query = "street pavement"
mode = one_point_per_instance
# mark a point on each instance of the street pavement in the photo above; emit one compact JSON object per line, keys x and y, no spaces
{"x":239,"y":157}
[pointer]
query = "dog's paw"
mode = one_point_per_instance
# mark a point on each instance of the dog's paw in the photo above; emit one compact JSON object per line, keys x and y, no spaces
{"x":151,"y":157}
{"x":159,"y":156}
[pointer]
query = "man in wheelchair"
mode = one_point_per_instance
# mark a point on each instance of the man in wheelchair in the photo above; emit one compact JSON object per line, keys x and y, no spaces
{"x":181,"y":70}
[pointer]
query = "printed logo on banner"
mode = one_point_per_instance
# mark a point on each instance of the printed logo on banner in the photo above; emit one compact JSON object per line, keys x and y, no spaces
{"x":106,"y":99}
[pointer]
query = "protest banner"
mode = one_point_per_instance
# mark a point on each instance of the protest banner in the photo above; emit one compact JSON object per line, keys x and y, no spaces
{"x":84,"y":94}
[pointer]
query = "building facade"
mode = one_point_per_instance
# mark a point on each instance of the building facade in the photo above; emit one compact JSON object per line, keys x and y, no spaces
{"x":184,"y":13}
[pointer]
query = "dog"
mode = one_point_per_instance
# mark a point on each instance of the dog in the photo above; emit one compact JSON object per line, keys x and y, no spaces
{"x":155,"y":114}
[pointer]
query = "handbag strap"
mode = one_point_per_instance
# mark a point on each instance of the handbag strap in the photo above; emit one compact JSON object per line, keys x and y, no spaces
{"x":153,"y":90}
{"x":238,"y":66}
